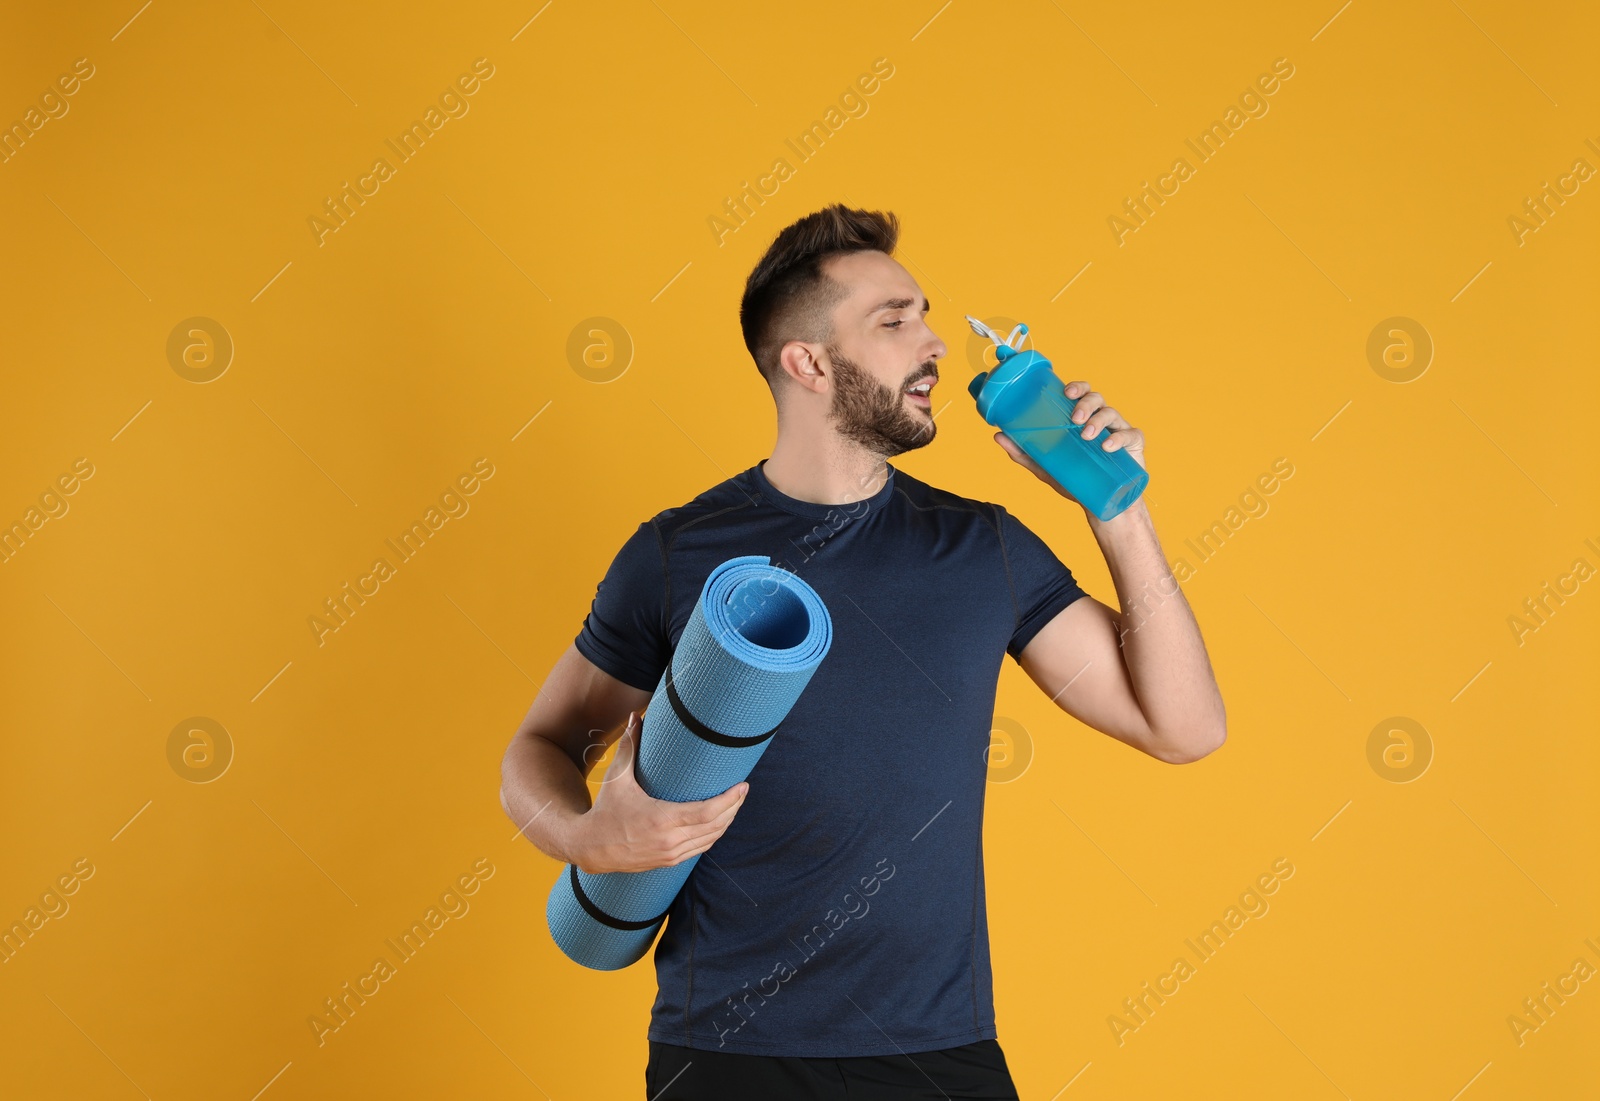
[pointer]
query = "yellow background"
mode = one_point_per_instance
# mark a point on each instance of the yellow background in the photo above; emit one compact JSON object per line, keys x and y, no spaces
{"x":372,"y":369}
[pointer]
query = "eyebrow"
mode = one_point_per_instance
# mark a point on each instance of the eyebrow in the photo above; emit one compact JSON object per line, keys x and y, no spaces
{"x":899,"y":304}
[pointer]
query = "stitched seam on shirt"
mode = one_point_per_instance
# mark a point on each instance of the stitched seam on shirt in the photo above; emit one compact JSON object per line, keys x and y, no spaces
{"x":930,"y":508}
{"x":976,"y":865}
{"x":1006,"y":559}
{"x":666,"y":586}
{"x":836,"y":1053}
{"x":701,"y":519}
{"x":994,"y":520}
{"x":666,"y":550}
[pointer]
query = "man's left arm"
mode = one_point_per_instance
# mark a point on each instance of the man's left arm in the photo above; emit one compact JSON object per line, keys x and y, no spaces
{"x":1142,"y":674}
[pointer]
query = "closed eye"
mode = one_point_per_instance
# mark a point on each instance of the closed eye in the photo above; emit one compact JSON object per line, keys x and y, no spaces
{"x":894,"y":324}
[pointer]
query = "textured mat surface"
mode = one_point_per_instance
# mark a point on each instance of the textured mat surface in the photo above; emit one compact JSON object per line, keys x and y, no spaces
{"x":754,"y":639}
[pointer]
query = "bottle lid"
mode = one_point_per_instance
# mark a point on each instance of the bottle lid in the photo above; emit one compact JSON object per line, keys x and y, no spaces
{"x":1012,"y":342}
{"x":1004,"y":349}
{"x":990,"y":388}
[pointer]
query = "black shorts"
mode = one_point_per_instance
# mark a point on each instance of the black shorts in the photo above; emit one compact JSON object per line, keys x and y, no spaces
{"x":976,"y":1070}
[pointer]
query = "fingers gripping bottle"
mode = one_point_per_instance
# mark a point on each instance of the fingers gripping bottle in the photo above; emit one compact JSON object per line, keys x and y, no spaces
{"x":1025,"y":399}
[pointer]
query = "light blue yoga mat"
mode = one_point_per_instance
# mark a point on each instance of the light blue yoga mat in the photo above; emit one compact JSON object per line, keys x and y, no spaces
{"x":754,"y":639}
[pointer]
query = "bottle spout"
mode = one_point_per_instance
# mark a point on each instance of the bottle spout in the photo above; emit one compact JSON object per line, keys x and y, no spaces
{"x":977,"y":382}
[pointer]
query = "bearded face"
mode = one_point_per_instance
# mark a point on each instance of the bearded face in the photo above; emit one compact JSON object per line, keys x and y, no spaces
{"x":885,"y":420}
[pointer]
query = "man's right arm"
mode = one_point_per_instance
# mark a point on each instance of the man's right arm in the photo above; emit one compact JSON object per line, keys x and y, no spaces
{"x":578,"y":713}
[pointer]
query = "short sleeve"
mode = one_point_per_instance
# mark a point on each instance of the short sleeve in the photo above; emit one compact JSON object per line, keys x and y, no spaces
{"x":1040,"y":582}
{"x":624,"y":633}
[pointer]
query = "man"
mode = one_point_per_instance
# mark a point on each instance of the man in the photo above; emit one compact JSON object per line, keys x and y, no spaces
{"x":835,"y":943}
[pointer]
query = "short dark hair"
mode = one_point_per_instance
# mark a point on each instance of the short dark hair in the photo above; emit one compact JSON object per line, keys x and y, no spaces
{"x":789,"y":297}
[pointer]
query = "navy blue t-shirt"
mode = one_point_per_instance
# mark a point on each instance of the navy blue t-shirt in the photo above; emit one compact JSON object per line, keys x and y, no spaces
{"x":842,"y":913}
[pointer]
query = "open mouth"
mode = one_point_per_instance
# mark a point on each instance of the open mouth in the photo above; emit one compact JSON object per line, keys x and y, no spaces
{"x":921,"y":392}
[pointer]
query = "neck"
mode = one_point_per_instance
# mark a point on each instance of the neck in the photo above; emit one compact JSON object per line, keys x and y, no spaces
{"x":824,"y":471}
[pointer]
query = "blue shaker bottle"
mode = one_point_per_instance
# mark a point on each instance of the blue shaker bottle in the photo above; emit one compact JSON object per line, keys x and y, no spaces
{"x":1024,"y":399}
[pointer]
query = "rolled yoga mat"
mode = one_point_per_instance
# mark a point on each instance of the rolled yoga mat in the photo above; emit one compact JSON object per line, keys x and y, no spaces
{"x":755,"y":637}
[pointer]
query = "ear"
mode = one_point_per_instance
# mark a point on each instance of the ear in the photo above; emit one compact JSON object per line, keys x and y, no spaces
{"x":801,"y":362}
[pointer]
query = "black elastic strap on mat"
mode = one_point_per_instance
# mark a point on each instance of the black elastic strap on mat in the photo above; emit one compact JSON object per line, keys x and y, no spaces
{"x":701,"y":729}
{"x":600,"y":915}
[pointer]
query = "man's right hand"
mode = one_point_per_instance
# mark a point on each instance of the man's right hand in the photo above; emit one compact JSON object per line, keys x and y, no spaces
{"x":626,"y":830}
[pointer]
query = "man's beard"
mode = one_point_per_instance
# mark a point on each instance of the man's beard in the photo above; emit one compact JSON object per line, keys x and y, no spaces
{"x":872,"y":415}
